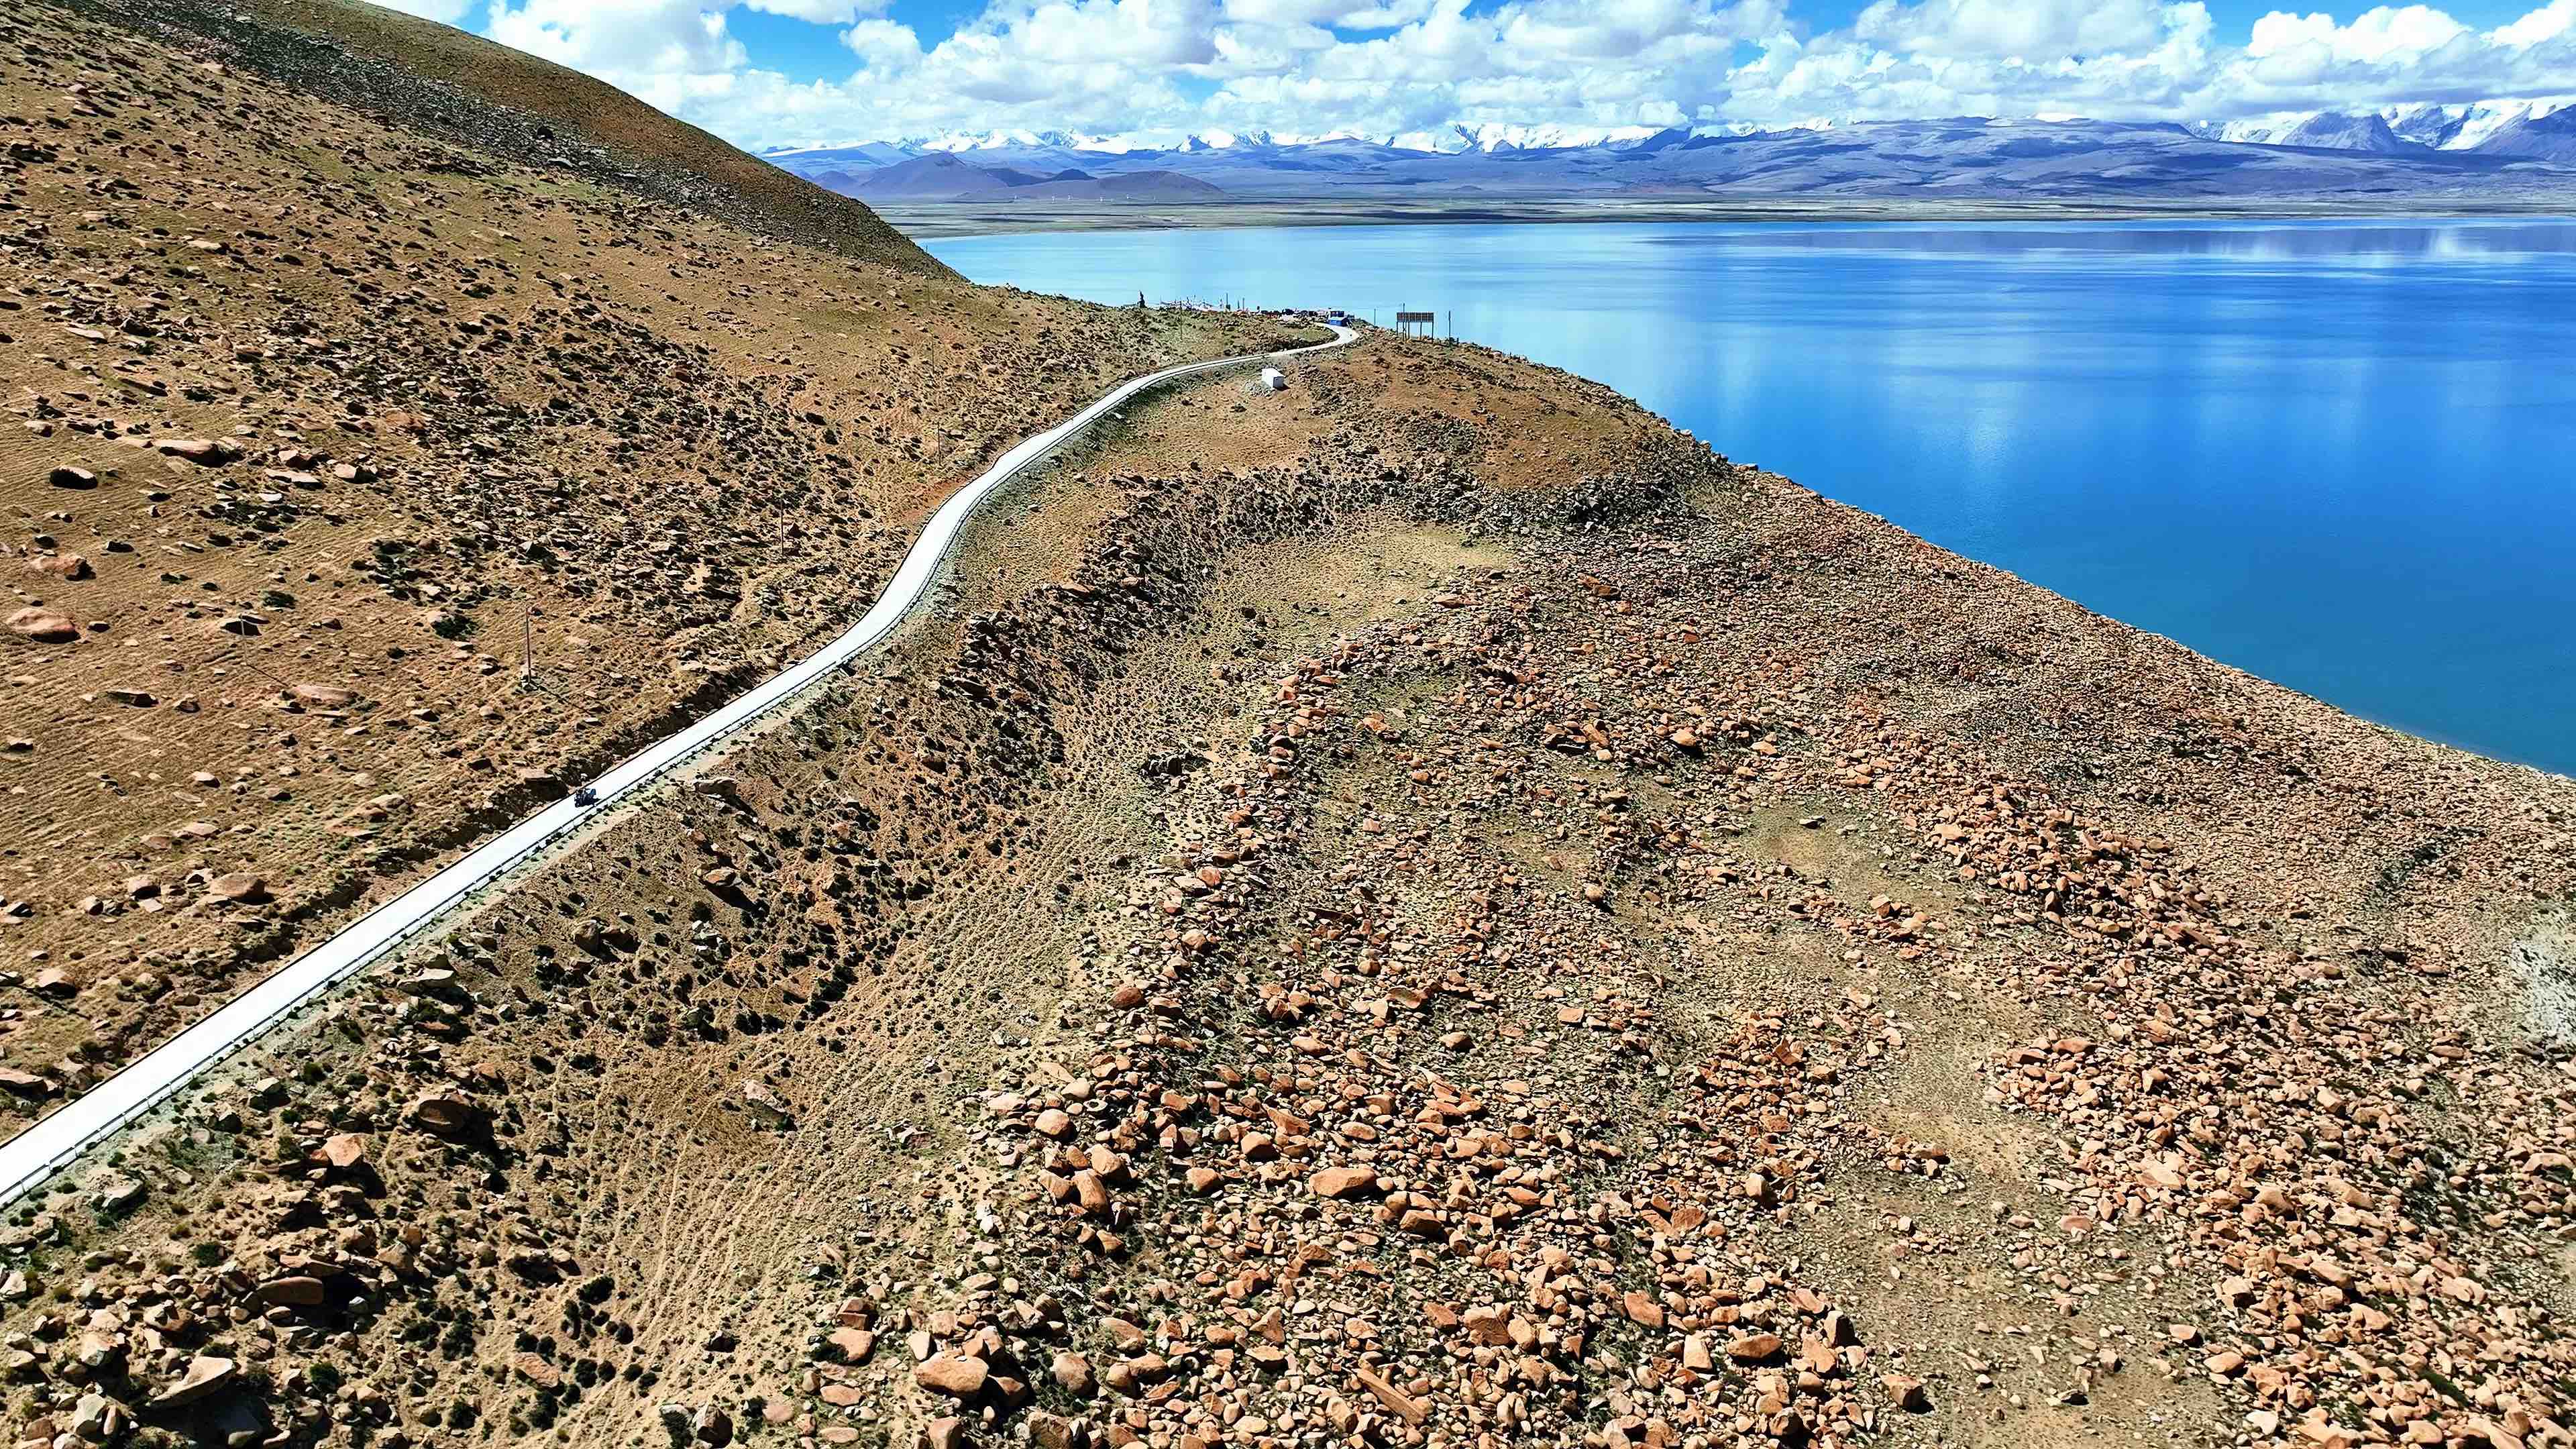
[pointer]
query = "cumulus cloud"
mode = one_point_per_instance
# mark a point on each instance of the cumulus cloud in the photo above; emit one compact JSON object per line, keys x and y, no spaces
{"x":1157,"y":69}
{"x":2030,"y":29}
{"x":2376,"y":36}
{"x":883,"y":45}
{"x":2550,"y":22}
{"x":671,"y":54}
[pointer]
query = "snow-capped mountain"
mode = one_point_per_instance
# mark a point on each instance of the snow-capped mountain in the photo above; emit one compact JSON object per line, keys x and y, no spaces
{"x":2425,"y":126}
{"x":1493,"y":137}
{"x":1486,"y":137}
{"x":2465,"y":128}
{"x":957,"y":141}
{"x":2389,"y":130}
{"x":2445,"y":152}
{"x":2328,"y":130}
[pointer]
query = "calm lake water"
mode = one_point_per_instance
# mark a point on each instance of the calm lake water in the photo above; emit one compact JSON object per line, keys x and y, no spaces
{"x":2341,"y":455}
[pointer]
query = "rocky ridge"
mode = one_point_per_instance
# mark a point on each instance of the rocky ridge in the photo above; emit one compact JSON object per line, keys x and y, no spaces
{"x":1624,"y":979}
{"x":368,"y":488}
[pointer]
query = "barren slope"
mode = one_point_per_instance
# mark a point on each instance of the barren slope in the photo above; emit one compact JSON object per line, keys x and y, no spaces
{"x":433,"y":80}
{"x":316,"y":419}
{"x":1425,"y":909}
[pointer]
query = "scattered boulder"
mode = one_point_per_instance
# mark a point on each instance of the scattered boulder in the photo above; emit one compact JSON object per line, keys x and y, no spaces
{"x":1754,"y":1348}
{"x":240,"y":888}
{"x":534,"y":1368}
{"x":206,"y":1374}
{"x":100,"y":1419}
{"x":955,"y":1374}
{"x":118,"y":1193}
{"x":205,"y":452}
{"x":45,"y":626}
{"x":1342,"y":1182}
{"x":447,"y":1114}
{"x":295,"y":1290}
{"x":764,"y":1104}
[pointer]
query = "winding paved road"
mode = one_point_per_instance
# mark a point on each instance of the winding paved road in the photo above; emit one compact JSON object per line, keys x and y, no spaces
{"x":55,"y":1142}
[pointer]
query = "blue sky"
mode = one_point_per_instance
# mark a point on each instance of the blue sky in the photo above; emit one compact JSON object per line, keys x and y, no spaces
{"x":795,"y":72}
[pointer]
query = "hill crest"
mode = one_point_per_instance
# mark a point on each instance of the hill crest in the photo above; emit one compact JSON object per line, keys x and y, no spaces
{"x":435,"y":79}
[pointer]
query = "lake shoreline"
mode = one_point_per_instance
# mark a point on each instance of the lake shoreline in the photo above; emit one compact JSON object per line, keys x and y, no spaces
{"x":959,"y":219}
{"x":2313,"y":449}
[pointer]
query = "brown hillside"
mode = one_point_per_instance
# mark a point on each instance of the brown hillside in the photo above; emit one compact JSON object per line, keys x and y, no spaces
{"x":1421,"y":910}
{"x":433,"y":79}
{"x":318,"y":422}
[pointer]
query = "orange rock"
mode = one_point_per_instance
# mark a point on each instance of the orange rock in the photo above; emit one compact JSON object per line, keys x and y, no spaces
{"x":45,"y":626}
{"x":1342,"y":1182}
{"x":956,"y":1374}
{"x":1754,"y":1348}
{"x":241,"y":887}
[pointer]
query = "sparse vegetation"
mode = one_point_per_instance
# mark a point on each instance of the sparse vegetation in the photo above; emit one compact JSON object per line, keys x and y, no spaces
{"x":1420,"y":908}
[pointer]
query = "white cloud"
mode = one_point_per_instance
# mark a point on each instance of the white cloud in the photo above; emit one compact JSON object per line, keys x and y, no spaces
{"x":1160,"y":68}
{"x":445,"y":12}
{"x":2032,"y":29}
{"x":2375,"y":36}
{"x":820,"y":12}
{"x":670,"y":53}
{"x":1124,"y":32}
{"x":2550,"y":22}
{"x":1339,"y":14}
{"x":883,"y":45}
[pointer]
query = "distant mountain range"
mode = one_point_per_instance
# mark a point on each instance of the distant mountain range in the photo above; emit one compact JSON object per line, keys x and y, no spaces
{"x":2516,"y":128}
{"x":942,"y":176}
{"x":2423,"y":152}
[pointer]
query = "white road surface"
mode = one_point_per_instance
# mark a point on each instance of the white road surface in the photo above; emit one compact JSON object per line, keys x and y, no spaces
{"x":53,"y":1143}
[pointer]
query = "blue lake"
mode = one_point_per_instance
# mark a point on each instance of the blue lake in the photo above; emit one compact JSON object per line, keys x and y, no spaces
{"x":2341,"y":455}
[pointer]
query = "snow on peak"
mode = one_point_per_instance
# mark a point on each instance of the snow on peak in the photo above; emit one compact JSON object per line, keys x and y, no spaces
{"x":2396,"y":128}
{"x":2454,"y":127}
{"x":1501,"y":136}
{"x":2461,"y":127}
{"x":998,"y":140}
